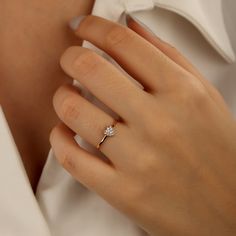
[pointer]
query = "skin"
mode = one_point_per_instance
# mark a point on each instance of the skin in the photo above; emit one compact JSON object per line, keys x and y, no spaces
{"x":34,"y":34}
{"x":173,"y":158}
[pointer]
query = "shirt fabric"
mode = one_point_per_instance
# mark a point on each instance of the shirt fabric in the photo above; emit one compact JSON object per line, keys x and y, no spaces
{"x":62,"y":206}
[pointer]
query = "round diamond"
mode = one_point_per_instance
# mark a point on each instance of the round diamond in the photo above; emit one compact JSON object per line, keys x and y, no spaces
{"x":109,"y":131}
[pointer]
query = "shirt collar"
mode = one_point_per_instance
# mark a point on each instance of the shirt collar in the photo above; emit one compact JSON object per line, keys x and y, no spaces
{"x":206,"y":16}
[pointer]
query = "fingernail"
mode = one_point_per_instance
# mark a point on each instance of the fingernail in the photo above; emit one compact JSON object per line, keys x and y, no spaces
{"x":75,"y":22}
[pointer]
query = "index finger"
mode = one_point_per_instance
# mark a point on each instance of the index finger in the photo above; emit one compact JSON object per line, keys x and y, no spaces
{"x":152,"y":68}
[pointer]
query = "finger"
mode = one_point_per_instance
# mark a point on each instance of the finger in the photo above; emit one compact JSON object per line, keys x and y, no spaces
{"x":85,"y":167}
{"x":104,"y":80}
{"x":80,"y":115}
{"x":176,"y":56}
{"x":89,"y":122}
{"x":136,"y":55}
{"x":166,"y":48}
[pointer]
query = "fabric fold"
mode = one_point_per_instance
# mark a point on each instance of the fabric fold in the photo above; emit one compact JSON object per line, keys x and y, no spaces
{"x":19,"y":210}
{"x":208,"y":18}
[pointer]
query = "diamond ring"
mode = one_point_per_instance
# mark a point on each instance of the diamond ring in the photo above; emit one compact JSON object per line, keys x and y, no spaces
{"x":109,"y":131}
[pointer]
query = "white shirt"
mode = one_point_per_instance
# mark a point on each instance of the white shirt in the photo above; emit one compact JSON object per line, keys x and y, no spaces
{"x":62,"y":206}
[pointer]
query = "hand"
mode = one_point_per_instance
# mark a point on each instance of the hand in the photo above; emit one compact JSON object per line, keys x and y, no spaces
{"x":172,"y":163}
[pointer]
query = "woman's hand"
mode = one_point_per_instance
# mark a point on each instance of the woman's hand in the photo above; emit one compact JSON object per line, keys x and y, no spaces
{"x":172,"y":163}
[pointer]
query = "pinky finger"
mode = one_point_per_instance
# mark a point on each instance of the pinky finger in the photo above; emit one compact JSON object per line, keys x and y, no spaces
{"x":88,"y":169}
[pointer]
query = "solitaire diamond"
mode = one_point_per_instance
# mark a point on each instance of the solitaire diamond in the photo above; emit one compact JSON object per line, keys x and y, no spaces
{"x":109,"y":131}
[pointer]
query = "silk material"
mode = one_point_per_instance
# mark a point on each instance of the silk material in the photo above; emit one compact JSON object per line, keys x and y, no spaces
{"x":63,"y":206}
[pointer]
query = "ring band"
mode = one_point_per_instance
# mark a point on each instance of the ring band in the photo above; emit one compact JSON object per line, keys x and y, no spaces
{"x":109,"y":131}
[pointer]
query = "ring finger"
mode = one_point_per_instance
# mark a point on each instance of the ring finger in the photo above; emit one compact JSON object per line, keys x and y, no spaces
{"x":89,"y":122}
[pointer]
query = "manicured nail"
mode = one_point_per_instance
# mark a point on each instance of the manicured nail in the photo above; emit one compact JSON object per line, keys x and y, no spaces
{"x":75,"y":22}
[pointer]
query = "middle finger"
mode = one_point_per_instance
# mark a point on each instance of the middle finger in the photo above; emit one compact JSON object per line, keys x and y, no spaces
{"x":104,"y":80}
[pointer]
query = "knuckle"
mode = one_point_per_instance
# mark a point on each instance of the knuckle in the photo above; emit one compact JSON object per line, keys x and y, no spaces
{"x":194,"y":95}
{"x":147,"y":166}
{"x":67,"y":53}
{"x":58,"y":95}
{"x":142,"y":99}
{"x":135,"y":194}
{"x":69,"y":109}
{"x":118,"y":35}
{"x":66,"y":160}
{"x":198,"y":98}
{"x":86,"y":63}
{"x":169,"y":132}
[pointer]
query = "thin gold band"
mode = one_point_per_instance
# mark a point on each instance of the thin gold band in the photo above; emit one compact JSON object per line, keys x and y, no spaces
{"x":101,"y":142}
{"x":106,"y":135}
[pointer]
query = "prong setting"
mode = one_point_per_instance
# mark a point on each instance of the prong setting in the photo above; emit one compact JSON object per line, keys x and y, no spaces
{"x":109,"y":131}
